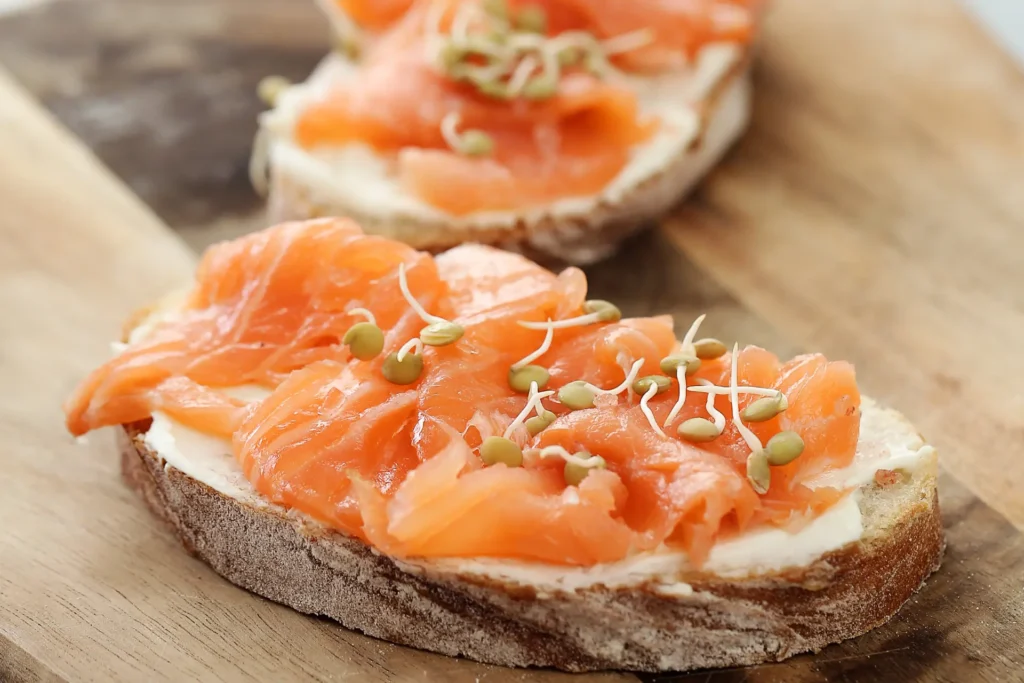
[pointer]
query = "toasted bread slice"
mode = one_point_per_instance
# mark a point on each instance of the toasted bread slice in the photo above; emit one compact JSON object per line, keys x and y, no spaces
{"x":703,"y":110}
{"x":577,"y":619}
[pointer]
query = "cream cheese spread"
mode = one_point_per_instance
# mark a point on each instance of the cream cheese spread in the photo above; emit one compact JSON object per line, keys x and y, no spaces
{"x":885,"y":444}
{"x":356,"y":176}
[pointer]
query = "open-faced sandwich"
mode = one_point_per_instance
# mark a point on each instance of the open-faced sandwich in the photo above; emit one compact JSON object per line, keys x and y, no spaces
{"x":464,"y":454}
{"x":552,"y":126}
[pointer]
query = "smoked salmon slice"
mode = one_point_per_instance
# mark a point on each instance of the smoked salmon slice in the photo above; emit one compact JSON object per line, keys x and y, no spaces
{"x":680,"y":26}
{"x":570,"y":145}
{"x":376,"y":15}
{"x":257,"y":312}
{"x":475,"y":110}
{"x":458,"y":457}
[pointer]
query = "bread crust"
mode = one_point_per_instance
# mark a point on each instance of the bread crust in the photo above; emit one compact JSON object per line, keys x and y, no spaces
{"x":724,"y":622}
{"x":572,"y":237}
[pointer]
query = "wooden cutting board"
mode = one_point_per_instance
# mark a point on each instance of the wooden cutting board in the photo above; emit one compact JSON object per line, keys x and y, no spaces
{"x":873,"y":212}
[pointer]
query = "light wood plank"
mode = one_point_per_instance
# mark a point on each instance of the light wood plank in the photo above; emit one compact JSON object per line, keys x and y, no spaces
{"x":883,"y":163}
{"x":875,"y":212}
{"x":92,"y":587}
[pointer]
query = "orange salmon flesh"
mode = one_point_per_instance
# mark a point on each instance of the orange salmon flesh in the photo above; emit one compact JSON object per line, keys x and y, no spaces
{"x":399,"y":465}
{"x":572,"y":144}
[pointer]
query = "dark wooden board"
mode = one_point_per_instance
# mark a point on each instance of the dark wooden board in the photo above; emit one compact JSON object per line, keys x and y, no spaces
{"x":884,"y":156}
{"x":165,"y":92}
{"x":966,"y":624}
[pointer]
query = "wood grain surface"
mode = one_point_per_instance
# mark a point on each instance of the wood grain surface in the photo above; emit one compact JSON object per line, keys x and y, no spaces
{"x":873,"y":212}
{"x":165,"y":92}
{"x":91,"y":587}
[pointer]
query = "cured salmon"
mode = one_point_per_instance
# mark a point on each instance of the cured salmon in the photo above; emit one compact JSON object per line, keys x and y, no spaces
{"x":477,"y":113}
{"x":255,"y":314}
{"x":681,"y":27}
{"x":459,"y":458}
{"x":376,"y":15}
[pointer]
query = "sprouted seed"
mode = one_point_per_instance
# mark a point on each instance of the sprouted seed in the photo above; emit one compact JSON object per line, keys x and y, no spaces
{"x":534,"y":400}
{"x":678,"y":405}
{"x":661,"y":382}
{"x":470,"y":142}
{"x":441,"y":333}
{"x":538,"y":423}
{"x":646,"y":409}
{"x":270,"y":88}
{"x":532,"y":19}
{"x":577,"y":395}
{"x":784,"y":448}
{"x":577,"y":465}
{"x":364,"y":314}
{"x":709,"y":349}
{"x":403,"y":285}
{"x":764,"y":409}
{"x":521,"y":378}
{"x":364,"y":340}
{"x":404,"y":370}
{"x":499,"y":449}
{"x":698,"y":430}
{"x":595,"y":311}
{"x":544,"y":346}
{"x":758,"y":476}
{"x":414,"y":346}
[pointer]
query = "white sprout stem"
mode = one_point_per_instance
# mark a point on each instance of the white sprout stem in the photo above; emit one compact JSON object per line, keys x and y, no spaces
{"x":492,"y":72}
{"x":534,"y":400}
{"x":579,"y":321}
{"x":459,"y":35}
{"x":403,"y":284}
{"x":626,"y":383}
{"x":522,"y":74}
{"x":550,"y":61}
{"x":365,"y":314}
{"x":577,"y":39}
{"x":588,"y":463}
{"x":538,"y":406}
{"x":586,"y":42}
{"x":491,"y":49}
{"x":539,"y":409}
{"x":545,"y":345}
{"x":691,"y":333}
{"x":716,"y":415}
{"x":651,"y":391}
{"x":724,"y":391}
{"x":526,"y":41}
{"x":630,"y":378}
{"x":752,"y":441}
{"x":681,"y":380}
{"x":450,"y":130}
{"x":461,"y":20}
{"x":627,"y":42}
{"x":414,"y":345}
{"x":622,"y":358}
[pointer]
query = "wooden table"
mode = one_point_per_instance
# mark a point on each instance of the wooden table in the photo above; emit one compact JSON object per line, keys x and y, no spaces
{"x":873,"y":212}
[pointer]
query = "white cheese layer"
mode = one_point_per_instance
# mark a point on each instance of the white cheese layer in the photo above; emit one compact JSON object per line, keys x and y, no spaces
{"x":205,"y":458}
{"x":885,"y":443}
{"x":758,"y":551}
{"x":354,"y":175}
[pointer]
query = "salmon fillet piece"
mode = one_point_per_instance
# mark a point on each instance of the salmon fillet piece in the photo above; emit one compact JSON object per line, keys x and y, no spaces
{"x":399,"y":465}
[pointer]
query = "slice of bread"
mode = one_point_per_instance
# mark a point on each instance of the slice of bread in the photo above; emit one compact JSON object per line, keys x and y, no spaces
{"x":703,"y":110}
{"x":696,"y":620}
